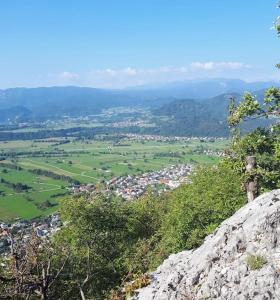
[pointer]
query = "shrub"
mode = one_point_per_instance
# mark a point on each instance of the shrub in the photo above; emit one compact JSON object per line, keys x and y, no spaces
{"x":256,"y":262}
{"x":198,"y":208}
{"x":264,"y":145}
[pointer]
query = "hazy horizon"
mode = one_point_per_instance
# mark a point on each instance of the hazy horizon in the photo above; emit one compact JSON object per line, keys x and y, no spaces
{"x":151,"y":85}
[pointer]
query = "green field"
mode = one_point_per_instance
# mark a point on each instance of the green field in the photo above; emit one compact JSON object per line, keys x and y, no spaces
{"x":88,"y":162}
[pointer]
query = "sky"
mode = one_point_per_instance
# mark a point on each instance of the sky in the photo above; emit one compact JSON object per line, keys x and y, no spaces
{"x":121,"y":43}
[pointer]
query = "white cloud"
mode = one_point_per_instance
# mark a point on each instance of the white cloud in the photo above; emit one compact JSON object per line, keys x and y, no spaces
{"x":115,"y":72}
{"x":208,"y":66}
{"x":129,"y":76}
{"x":130,"y":71}
{"x":167,"y":70}
{"x":110,"y":72}
{"x":68,"y":76}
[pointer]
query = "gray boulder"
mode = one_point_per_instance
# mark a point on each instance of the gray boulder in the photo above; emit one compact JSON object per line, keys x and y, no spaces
{"x":240,"y":260}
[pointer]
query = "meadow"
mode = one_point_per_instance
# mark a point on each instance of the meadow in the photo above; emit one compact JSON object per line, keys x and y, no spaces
{"x":89,"y":161}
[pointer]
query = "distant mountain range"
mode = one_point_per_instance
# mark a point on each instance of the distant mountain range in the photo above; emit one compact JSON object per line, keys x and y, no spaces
{"x":53,"y":102}
{"x":201,"y":88}
{"x":24,"y":104}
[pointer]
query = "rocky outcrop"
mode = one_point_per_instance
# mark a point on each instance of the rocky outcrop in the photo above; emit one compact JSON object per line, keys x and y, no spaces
{"x":240,"y":260}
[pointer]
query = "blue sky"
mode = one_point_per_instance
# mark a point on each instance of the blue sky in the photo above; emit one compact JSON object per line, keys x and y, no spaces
{"x":118,"y":43}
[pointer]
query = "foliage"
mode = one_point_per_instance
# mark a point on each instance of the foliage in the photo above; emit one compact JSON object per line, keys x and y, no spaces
{"x":256,"y":262}
{"x":140,"y":282}
{"x":49,"y":175}
{"x":29,"y":270}
{"x":249,"y":106}
{"x":264,"y":145}
{"x":17,"y":187}
{"x":102,"y":234}
{"x":53,"y":175}
{"x":110,"y":244}
{"x":198,"y":208}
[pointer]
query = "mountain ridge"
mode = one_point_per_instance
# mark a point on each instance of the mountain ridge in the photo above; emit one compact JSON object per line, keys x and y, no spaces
{"x":83,"y":101}
{"x":203,"y":116}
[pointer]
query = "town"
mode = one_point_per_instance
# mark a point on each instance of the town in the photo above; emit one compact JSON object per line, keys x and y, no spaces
{"x":22,"y":230}
{"x":128,"y":187}
{"x":133,"y":186}
{"x":160,"y":138}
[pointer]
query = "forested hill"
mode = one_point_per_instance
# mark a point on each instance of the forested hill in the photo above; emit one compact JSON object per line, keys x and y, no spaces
{"x":202,"y":117}
{"x":52,"y":102}
{"x":191,"y":108}
{"x":43,"y":103}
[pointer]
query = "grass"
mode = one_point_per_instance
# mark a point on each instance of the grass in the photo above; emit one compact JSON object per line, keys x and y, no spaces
{"x":256,"y":262}
{"x":25,"y":204}
{"x":92,"y":162}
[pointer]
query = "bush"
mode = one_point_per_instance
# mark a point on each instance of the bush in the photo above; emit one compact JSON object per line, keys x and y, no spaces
{"x":111,"y":230}
{"x":117,"y":241}
{"x":264,"y":145}
{"x":198,"y":208}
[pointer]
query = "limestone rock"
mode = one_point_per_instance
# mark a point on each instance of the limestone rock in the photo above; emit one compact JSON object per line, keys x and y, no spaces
{"x":219,"y":269}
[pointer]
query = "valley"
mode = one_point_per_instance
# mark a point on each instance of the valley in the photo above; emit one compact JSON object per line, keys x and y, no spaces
{"x":139,"y":150}
{"x":49,"y":168}
{"x":45,"y":158}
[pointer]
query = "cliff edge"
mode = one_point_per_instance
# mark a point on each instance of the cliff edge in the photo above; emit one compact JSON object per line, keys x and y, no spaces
{"x":240,"y":260}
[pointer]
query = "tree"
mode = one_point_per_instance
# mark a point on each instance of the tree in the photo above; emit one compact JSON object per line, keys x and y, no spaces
{"x":196,"y":209}
{"x":262,"y":143}
{"x":104,"y":236}
{"x":31,"y":268}
{"x":250,"y":107}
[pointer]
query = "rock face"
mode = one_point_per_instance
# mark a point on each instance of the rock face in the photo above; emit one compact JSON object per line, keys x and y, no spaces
{"x":220,"y":269}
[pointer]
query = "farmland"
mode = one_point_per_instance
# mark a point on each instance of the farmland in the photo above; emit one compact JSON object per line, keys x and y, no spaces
{"x":26,"y":192}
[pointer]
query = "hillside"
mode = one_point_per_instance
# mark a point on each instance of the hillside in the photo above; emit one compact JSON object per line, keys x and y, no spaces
{"x":58,"y":101}
{"x":202,"y":116}
{"x":25,"y":104}
{"x":240,"y":260}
